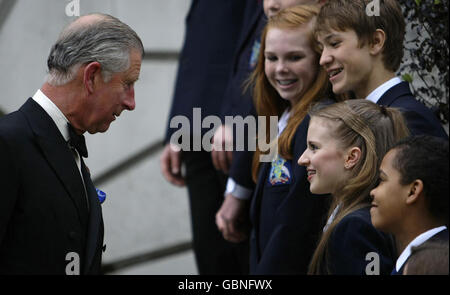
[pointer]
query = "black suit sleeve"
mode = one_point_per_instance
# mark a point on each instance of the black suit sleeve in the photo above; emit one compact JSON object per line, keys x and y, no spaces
{"x":9,"y":185}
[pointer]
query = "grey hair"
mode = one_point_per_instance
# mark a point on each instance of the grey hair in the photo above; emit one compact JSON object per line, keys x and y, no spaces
{"x":107,"y":41}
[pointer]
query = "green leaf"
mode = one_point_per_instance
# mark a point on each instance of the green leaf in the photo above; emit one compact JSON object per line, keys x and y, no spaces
{"x":418,"y":2}
{"x":407,"y":78}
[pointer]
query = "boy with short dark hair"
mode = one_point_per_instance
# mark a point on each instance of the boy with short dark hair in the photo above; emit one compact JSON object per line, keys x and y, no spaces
{"x":362,"y":52}
{"x":411,"y":200}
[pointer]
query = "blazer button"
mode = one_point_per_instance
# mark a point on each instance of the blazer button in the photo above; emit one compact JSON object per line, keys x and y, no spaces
{"x":104,"y":248}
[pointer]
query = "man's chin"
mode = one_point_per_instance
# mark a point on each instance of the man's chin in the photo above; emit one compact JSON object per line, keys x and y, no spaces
{"x":101,"y":129}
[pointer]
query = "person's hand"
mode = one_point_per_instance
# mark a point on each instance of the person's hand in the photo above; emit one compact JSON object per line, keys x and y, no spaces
{"x":232,"y":219}
{"x":170,"y":163}
{"x":220,"y":157}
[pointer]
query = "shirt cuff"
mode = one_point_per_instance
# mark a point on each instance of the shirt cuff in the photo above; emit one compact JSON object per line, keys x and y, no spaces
{"x":238,"y":191}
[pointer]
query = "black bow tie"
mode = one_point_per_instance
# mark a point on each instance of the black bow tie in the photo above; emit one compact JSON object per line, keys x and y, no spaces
{"x":77,"y":141}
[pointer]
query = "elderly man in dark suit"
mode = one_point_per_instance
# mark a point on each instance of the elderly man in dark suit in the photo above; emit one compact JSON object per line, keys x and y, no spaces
{"x":50,"y":214}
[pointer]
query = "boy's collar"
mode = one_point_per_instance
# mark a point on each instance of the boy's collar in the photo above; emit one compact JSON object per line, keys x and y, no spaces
{"x":420,"y":239}
{"x":375,"y":95}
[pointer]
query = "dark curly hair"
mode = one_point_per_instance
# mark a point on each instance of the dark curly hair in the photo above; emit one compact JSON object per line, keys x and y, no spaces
{"x":425,"y":157}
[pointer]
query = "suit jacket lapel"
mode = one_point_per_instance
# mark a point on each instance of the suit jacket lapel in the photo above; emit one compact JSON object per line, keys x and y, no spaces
{"x":256,"y":200}
{"x":58,"y":155}
{"x":255,"y":210}
{"x":95,"y":217}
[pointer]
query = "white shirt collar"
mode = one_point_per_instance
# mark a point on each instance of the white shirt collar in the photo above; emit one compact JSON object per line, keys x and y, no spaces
{"x":331,"y":219}
{"x":420,"y":239}
{"x":282,"y":123}
{"x":54,"y":112}
{"x":375,"y":95}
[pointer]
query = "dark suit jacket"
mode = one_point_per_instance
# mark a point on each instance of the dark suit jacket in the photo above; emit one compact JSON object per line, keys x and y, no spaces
{"x":352,"y":239}
{"x":419,"y":118}
{"x":287,"y":219}
{"x":43,"y":207}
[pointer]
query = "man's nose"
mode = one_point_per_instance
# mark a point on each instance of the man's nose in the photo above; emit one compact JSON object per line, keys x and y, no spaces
{"x":129,"y":102}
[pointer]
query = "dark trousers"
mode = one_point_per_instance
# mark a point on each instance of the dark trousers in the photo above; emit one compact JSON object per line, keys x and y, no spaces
{"x":206,"y":186}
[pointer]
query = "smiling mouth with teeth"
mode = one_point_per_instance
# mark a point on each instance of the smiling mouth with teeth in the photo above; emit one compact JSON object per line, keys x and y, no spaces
{"x":335,"y":72}
{"x":286,"y":82}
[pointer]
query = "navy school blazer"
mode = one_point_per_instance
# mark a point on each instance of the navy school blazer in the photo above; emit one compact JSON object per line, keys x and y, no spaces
{"x":212,"y":31}
{"x":287,"y":219}
{"x":236,"y":102}
{"x":419,"y":118}
{"x":353,"y":240}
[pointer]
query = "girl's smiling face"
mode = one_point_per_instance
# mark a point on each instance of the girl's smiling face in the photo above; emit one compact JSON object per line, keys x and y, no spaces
{"x":291,"y":64}
{"x":324,"y":158}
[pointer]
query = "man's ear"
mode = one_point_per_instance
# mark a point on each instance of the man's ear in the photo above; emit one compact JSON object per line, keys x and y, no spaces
{"x":415,"y":191}
{"x":377,"y":42}
{"x":352,"y":157}
{"x":90,"y":72}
